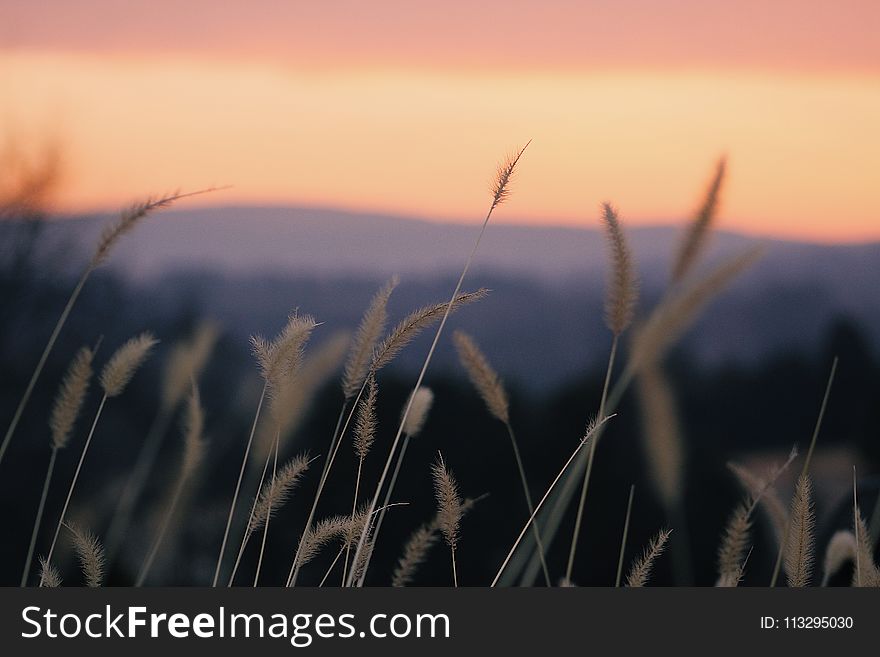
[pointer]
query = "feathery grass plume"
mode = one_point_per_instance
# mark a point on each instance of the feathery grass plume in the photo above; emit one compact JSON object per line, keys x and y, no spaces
{"x":49,"y":576}
{"x":841,"y":550}
{"x":503,"y":177}
{"x":70,"y":396}
{"x":777,"y":568}
{"x":448,"y":502}
{"x":115,"y":376}
{"x":122,"y":366}
{"x":620,"y":301}
{"x":757,"y":486}
{"x":276,"y":492}
{"x":641,"y":569}
{"x":294,"y":399}
{"x":482,"y":376}
{"x":364,"y":435}
{"x":414,"y":554}
{"x":277,"y":360}
{"x":90,"y":553}
{"x":662,"y":434}
{"x":448,"y":508}
{"x":409,"y":327}
{"x":421,"y":404}
{"x":732,"y":552}
{"x":131,"y":217}
{"x":186,"y":362}
{"x":665,"y":325}
{"x":694,"y":239}
{"x":193,"y":433}
{"x":799,"y":550}
{"x":359,"y":565}
{"x":324,"y":532}
{"x":282,"y":355}
{"x":623,"y":288}
{"x":417,"y":546}
{"x":126,"y":222}
{"x":365,"y":422}
{"x":680,"y":310}
{"x":491,"y":389}
{"x":368,"y":333}
{"x":866,"y":573}
{"x":499,"y":193}
{"x":65,"y":411}
{"x":359,"y":525}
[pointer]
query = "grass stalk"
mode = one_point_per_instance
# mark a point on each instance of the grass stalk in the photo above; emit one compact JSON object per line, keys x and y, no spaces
{"x":588,"y":472}
{"x":82,"y":458}
{"x":163,"y":529}
{"x":525,"y":485}
{"x":246,"y":537}
{"x":782,"y":544}
{"x":134,"y":487}
{"x":592,"y":431}
{"x":39,"y":517}
{"x":629,"y":506}
{"x":53,"y":338}
{"x":357,"y":487}
{"x":500,"y":193}
{"x":244,"y":461}
{"x":295,"y":566}
{"x":269,"y":512}
{"x":454,"y":569}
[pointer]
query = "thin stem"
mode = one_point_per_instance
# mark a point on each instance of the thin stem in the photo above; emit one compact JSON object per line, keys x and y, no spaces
{"x":39,"y":518}
{"x":454,"y":569}
{"x":629,"y":506}
{"x":580,"y":512}
{"x":806,"y":467}
{"x":166,"y":522}
{"x":525,"y":485}
{"x":357,"y":487}
{"x":268,"y":510}
{"x":42,"y":362}
{"x":295,"y":566}
{"x":856,"y":529}
{"x":332,"y":566}
{"x":244,"y":461}
{"x":363,"y":537}
{"x":385,"y":502}
{"x":146,"y":459}
{"x":247,"y":530}
{"x":82,"y":457}
{"x":571,"y":458}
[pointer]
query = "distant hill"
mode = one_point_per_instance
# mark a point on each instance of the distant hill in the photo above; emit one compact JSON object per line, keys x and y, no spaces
{"x":543,"y":321}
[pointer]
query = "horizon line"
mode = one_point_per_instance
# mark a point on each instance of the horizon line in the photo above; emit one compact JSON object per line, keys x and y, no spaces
{"x":639,"y":223}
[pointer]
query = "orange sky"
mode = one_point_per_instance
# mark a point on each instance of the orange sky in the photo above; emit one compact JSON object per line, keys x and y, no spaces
{"x":406,"y":109}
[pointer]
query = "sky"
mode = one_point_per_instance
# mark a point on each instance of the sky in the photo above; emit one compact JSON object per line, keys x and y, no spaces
{"x":406,"y":107}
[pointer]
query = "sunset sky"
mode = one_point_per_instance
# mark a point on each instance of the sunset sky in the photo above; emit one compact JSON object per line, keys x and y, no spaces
{"x":406,"y":107}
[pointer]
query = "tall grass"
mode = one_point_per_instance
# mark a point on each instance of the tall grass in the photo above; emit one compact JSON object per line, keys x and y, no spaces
{"x":126,"y":222}
{"x":65,"y":411}
{"x":291,"y":379}
{"x":115,"y":376}
{"x":277,"y":359}
{"x":500,"y":192}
